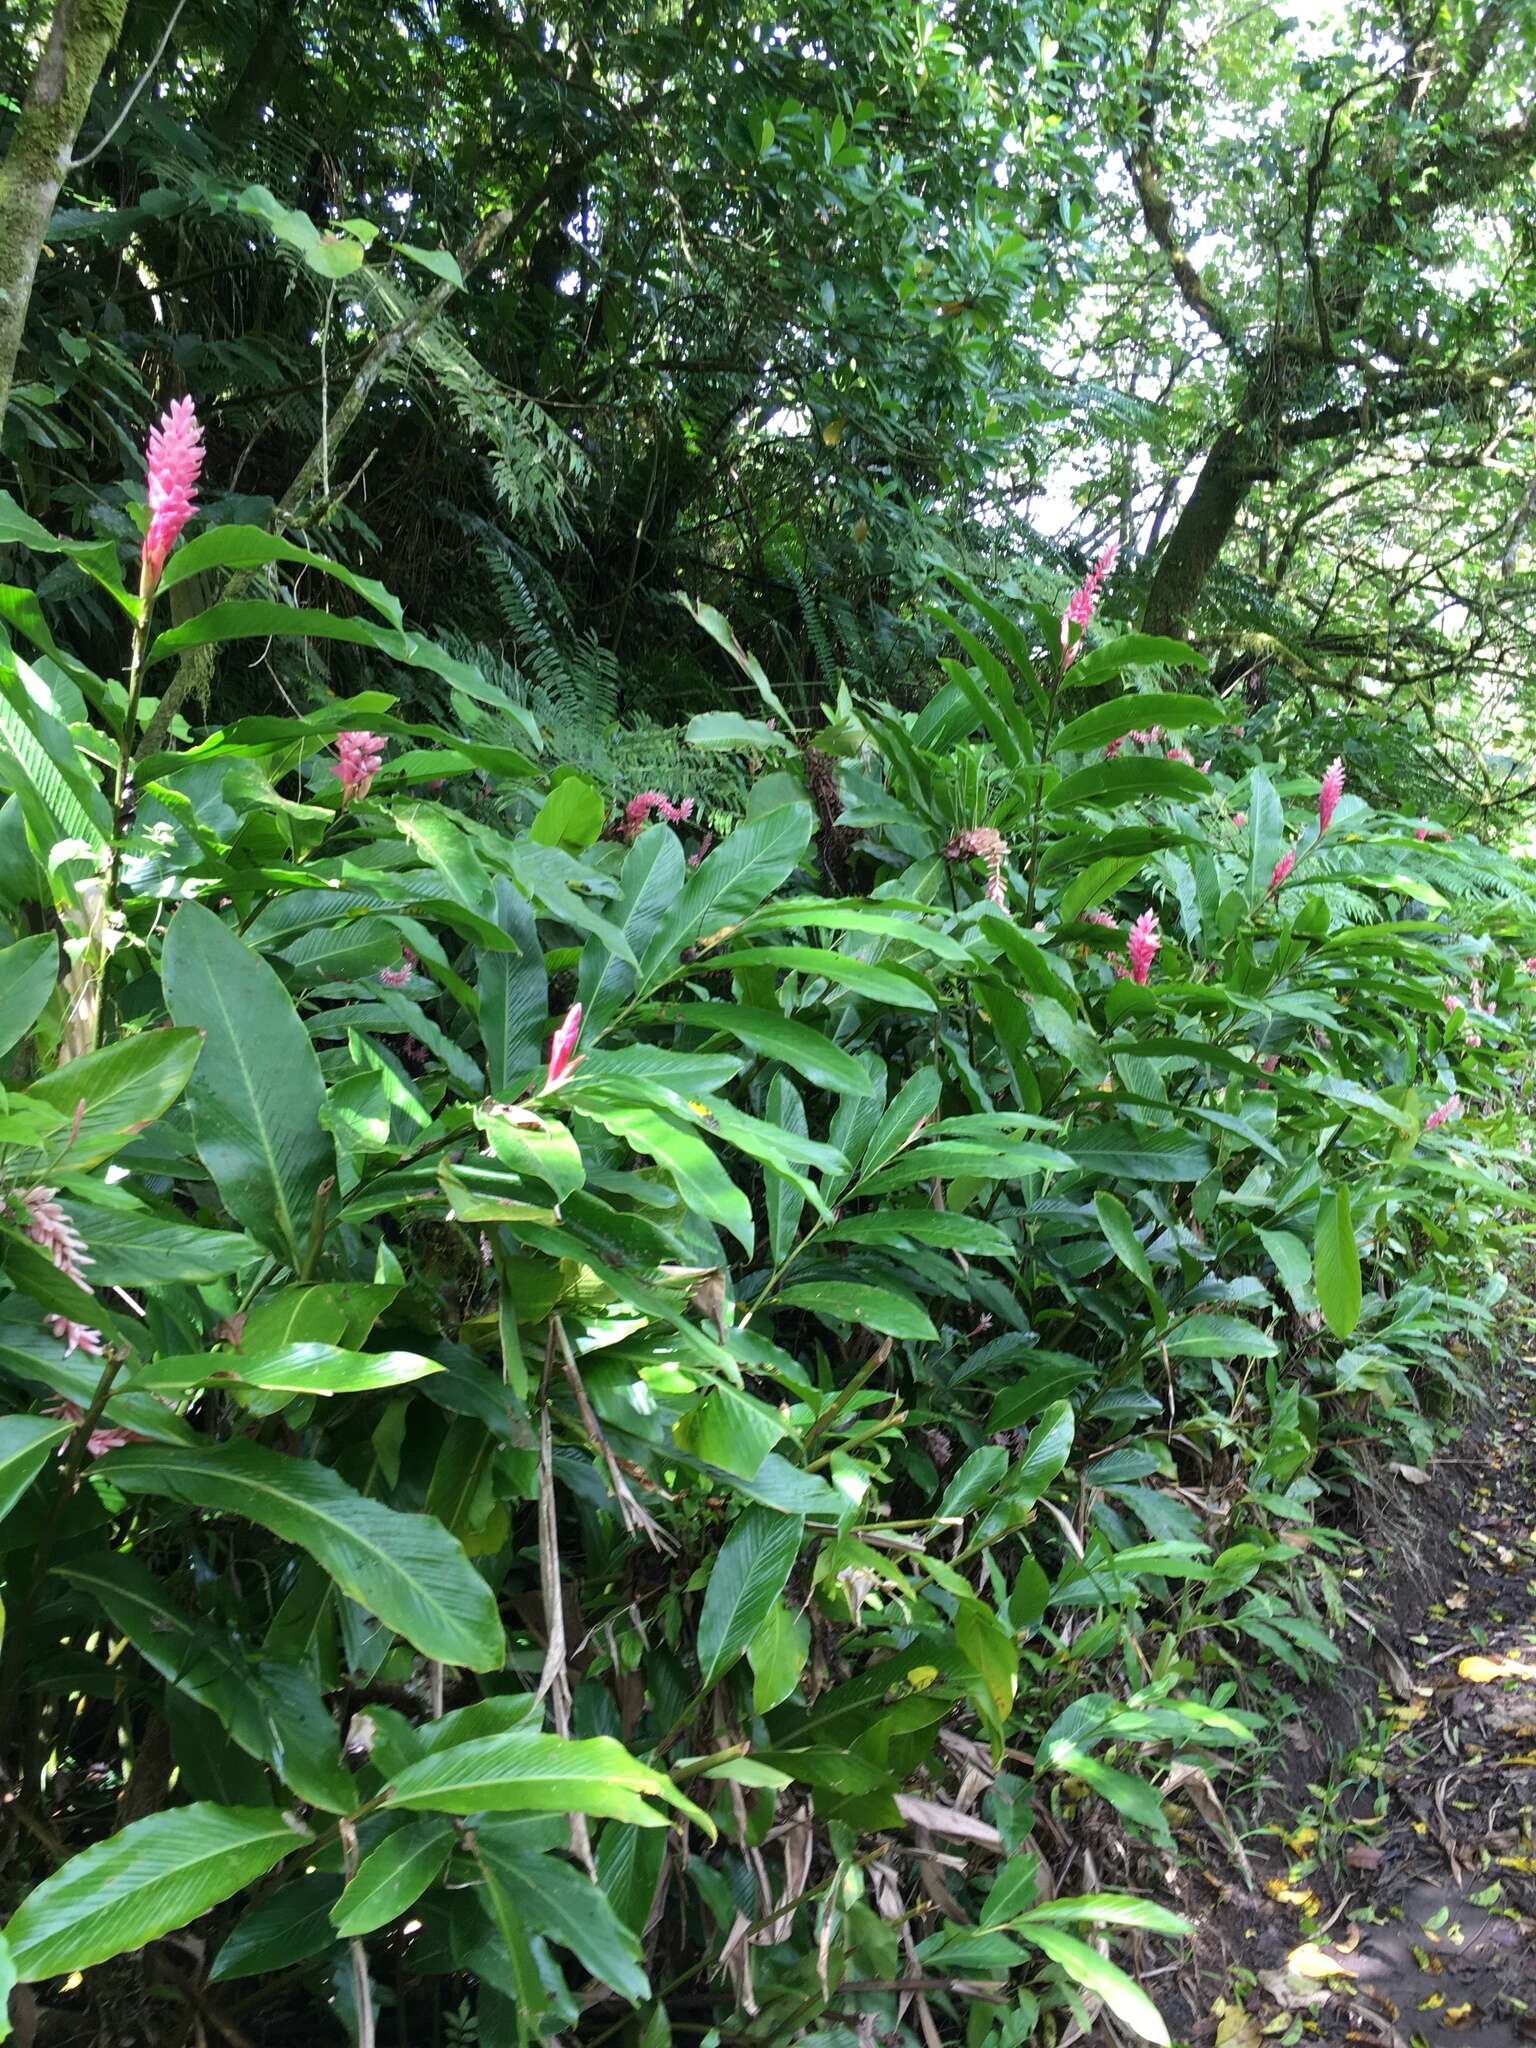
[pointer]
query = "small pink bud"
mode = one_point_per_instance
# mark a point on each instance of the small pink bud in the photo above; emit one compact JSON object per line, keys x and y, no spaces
{"x":175,"y":459}
{"x":1081,"y":603}
{"x":1328,"y":796}
{"x":562,"y":1047}
{"x":1239,"y":819}
{"x":1282,"y":868}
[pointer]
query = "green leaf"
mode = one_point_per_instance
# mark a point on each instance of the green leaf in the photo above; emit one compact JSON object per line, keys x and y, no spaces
{"x":441,"y":262}
{"x":729,"y":730}
{"x":1135,"y":1152}
{"x":571,"y":815}
{"x":802,"y":1049}
{"x":1133,"y":650}
{"x":777,"y":1655}
{"x":749,"y":1573}
{"x":1137,"y":713}
{"x":25,"y":1444}
{"x":785,"y":1201}
{"x":406,"y":1569}
{"x":1120,"y":1234}
{"x":1106,"y":1909}
{"x":29,"y":973}
{"x":514,"y":996}
{"x":1093,"y":1973}
{"x":875,"y":1308}
{"x":1336,"y":1263}
{"x":684,"y":1157}
{"x":288,"y":1927}
{"x":294,"y":1369}
{"x":132,"y":1247}
{"x":257,"y":1093}
{"x":115,"y":1093}
{"x":155,"y":1876}
{"x":1105,"y":784}
{"x":525,"y":1772}
{"x":898,"y":988}
{"x":561,"y":1904}
{"x":728,"y":883}
{"x":393,"y":1876}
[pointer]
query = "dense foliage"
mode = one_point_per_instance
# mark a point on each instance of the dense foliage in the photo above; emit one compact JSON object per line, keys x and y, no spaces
{"x":610,"y":1432}
{"x":761,"y":1031}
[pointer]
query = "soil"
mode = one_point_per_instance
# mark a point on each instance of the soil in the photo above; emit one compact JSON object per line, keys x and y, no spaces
{"x":1399,"y":1907}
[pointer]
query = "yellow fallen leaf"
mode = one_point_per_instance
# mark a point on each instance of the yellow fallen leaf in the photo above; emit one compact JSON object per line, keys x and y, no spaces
{"x":1302,"y":1839}
{"x":1484,"y":1670}
{"x":1433,"y":2003}
{"x":1293,"y":1895}
{"x":1457,"y":2015}
{"x":1516,"y":1862}
{"x":1312,"y":1960}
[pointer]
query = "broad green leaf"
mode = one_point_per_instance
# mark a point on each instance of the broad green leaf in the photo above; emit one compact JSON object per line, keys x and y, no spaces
{"x":730,"y":731}
{"x":750,"y":1572}
{"x":514,"y":996}
{"x":25,"y":1444}
{"x":256,"y":1094}
{"x":1093,"y":1973}
{"x":944,"y":1229}
{"x":294,"y":1369}
{"x":785,"y":1201}
{"x":289,"y":1926}
{"x":29,"y":973}
{"x":1106,"y":1909}
{"x":155,"y":1876}
{"x":525,"y":1772}
{"x":1138,"y":713}
{"x":898,"y":988}
{"x":442,"y":263}
{"x":684,"y":1157}
{"x":802,"y":1048}
{"x":1336,"y":1263}
{"x":553,"y":1900}
{"x":650,"y":882}
{"x":777,"y":1655}
{"x":1206,"y":1335}
{"x":1135,"y":1152}
{"x":1120,"y":1234}
{"x":1133,"y":650}
{"x":874,"y":1308}
{"x":406,"y":1569}
{"x":1106,"y":784}
{"x":393,"y":1876}
{"x":110,"y":1096}
{"x":728,"y":883}
{"x":252,"y":547}
{"x":131,"y":1246}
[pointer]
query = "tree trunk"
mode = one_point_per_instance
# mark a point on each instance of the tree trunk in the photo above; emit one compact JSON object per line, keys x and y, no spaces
{"x":80,"y":39}
{"x":1199,"y":535}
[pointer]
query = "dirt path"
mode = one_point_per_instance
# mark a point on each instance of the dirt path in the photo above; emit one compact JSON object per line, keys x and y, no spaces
{"x":1398,"y":1905}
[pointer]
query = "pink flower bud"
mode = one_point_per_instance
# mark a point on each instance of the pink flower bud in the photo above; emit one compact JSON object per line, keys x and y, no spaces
{"x":1451,"y":1107}
{"x":1142,"y":945}
{"x":1282,"y":868}
{"x":358,"y":755}
{"x":562,"y":1047}
{"x":1239,"y":819}
{"x":1328,"y":796}
{"x":174,"y":462}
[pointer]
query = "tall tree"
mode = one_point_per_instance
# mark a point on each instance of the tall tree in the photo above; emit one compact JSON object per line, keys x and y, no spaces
{"x":80,"y":38}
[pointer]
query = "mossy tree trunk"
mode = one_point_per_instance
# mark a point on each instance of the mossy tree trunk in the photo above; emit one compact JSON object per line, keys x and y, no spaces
{"x":80,"y":39}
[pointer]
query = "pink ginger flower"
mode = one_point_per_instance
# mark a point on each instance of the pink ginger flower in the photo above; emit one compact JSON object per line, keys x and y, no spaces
{"x":106,"y":1437}
{"x":1113,"y":749}
{"x":1270,"y":1061}
{"x":1101,"y":917}
{"x":1149,"y":738}
{"x":1328,"y":796}
{"x":1205,"y":765}
{"x":1081,"y":603}
{"x":397,"y":977}
{"x":76,"y":1337}
{"x":1449,"y":1108}
{"x":358,"y":756}
{"x":649,"y":804}
{"x":984,"y":844}
{"x":1181,"y":754}
{"x":174,"y":461}
{"x":1530,"y":965}
{"x":52,"y":1232}
{"x":1239,"y":819}
{"x":1282,"y":868}
{"x":1452,"y":1002}
{"x":562,"y":1047}
{"x":1142,"y":946}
